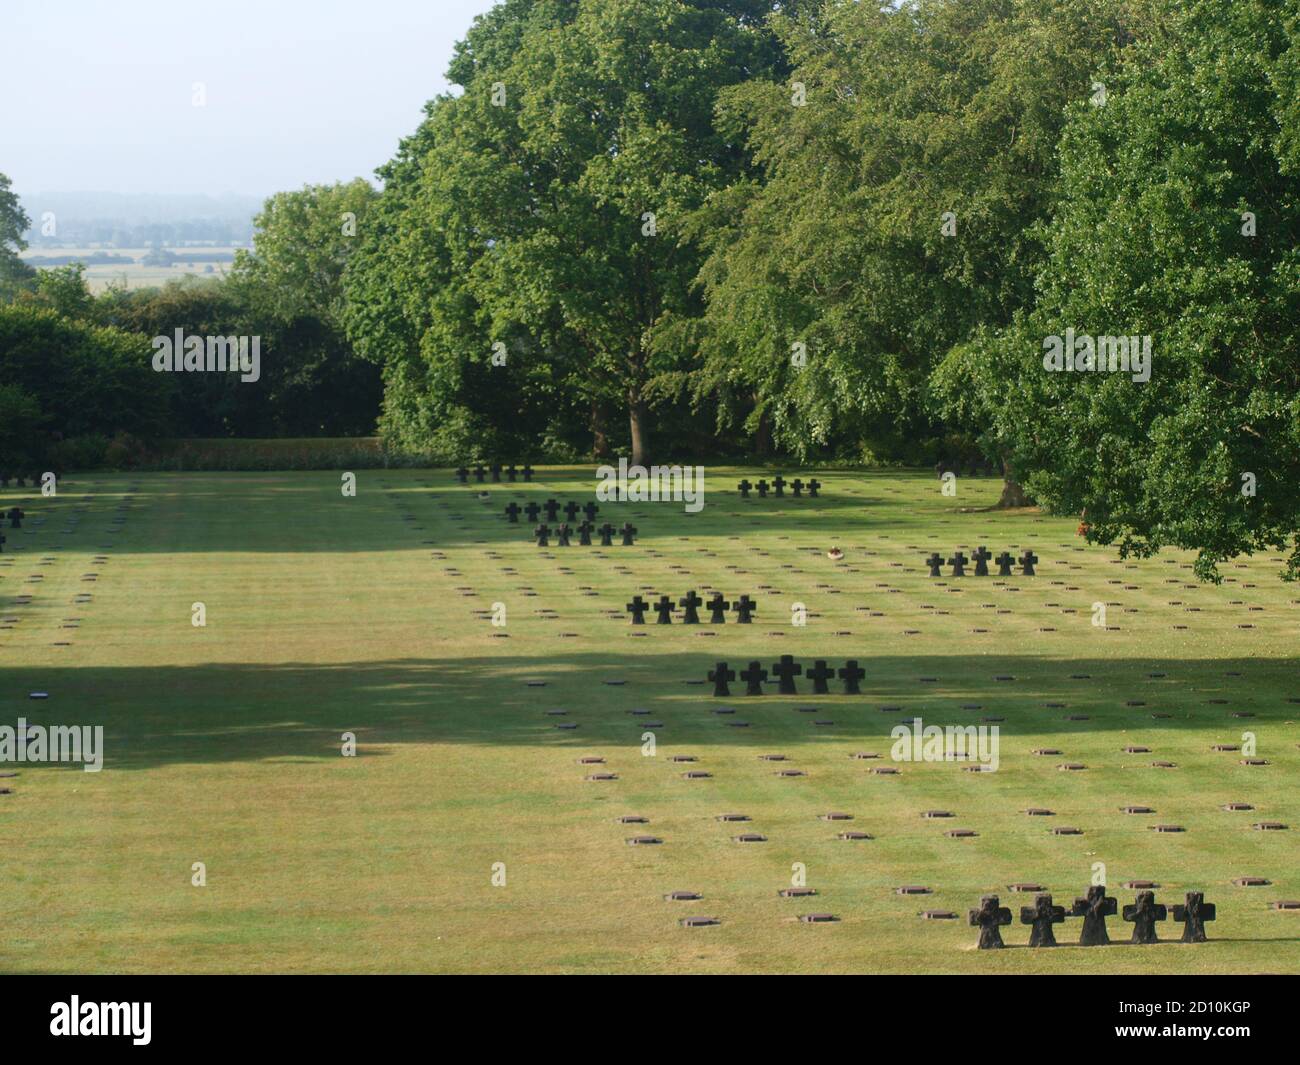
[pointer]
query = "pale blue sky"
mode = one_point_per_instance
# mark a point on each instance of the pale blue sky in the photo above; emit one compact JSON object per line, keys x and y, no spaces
{"x":97,"y":94}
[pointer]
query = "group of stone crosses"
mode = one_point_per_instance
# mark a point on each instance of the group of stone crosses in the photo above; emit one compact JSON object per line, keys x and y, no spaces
{"x":496,"y":469}
{"x":785,"y":670}
{"x":981,"y":558}
{"x":15,"y":516}
{"x":1094,"y":908}
{"x":718,"y":606}
{"x":777,"y":488}
{"x":22,"y":478}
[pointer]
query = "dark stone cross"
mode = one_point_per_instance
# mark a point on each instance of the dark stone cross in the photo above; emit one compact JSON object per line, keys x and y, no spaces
{"x":637,"y":609}
{"x":571,"y":510}
{"x":542,"y":532}
{"x":1027,"y":562}
{"x":628,"y":531}
{"x":958,"y":564}
{"x":462,"y":475}
{"x":664,"y":608}
{"x":528,"y":472}
{"x":552,"y":508}
{"x":3,"y":541}
{"x":16,"y":515}
{"x":1041,"y":916}
{"x":479,"y":474}
{"x":584,"y":533}
{"x":796,"y":487}
{"x":745,"y":607}
{"x":532,"y":510}
{"x":851,"y":674}
{"x":935,"y":562}
{"x":512,"y":512}
{"x":718,"y":607}
{"x":562,"y":535}
{"x":1004,"y":562}
{"x":785,"y":671}
{"x":762,"y":488}
{"x":753,"y":678}
{"x":1194,"y":913}
{"x":778,"y":486}
{"x":606,"y":535}
{"x":819,"y":674}
{"x":496,"y":472}
{"x":511,"y":473}
{"x":988,"y":919}
{"x":1144,"y":913}
{"x":1094,"y":908}
{"x":813,"y":486}
{"x":690,"y":605}
{"x":981,"y":558}
{"x":744,"y":488}
{"x":720,"y":675}
{"x":591,"y":510}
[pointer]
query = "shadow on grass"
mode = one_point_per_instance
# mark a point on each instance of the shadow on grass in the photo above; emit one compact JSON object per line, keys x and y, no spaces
{"x":402,"y":509}
{"x":231,"y":713}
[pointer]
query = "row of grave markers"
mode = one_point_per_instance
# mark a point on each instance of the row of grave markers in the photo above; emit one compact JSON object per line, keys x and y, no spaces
{"x":563,"y":534}
{"x":718,"y":606}
{"x":785,"y":670}
{"x":1094,"y":908}
{"x":552,"y":508}
{"x":981,"y":558}
{"x":777,"y":487}
{"x":511,"y":472}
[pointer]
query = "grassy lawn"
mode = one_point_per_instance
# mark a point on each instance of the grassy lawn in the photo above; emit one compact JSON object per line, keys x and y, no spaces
{"x":328,"y":615}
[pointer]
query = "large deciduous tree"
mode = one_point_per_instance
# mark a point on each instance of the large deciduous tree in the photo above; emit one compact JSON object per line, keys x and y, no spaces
{"x":543,"y":209}
{"x":1179,"y":220}
{"x":905,"y":161}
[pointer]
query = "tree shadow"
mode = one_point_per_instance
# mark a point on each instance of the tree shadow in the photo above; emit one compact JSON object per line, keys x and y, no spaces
{"x":218,"y":713}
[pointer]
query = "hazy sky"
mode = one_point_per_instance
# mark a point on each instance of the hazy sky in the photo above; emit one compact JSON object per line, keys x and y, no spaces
{"x":98,"y":96}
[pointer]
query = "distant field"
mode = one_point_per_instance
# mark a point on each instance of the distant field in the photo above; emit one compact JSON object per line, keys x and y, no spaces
{"x":100,"y":275}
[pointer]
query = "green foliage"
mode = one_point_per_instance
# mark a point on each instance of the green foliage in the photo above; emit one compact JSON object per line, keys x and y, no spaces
{"x":520,"y":214}
{"x":911,"y":111}
{"x":1150,"y":239}
{"x":75,"y":379}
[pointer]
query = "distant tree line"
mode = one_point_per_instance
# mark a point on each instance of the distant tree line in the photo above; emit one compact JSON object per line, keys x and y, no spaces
{"x":821,"y":231}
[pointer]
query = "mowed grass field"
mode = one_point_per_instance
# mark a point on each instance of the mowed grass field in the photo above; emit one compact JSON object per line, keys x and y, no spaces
{"x":328,"y":614}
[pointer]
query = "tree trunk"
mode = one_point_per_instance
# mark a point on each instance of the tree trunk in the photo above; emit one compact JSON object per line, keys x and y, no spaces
{"x":599,"y":437}
{"x":763,"y":435}
{"x":1012,"y":494}
{"x":639,"y":422}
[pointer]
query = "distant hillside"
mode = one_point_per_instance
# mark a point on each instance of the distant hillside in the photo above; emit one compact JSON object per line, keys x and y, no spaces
{"x":134,"y":221}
